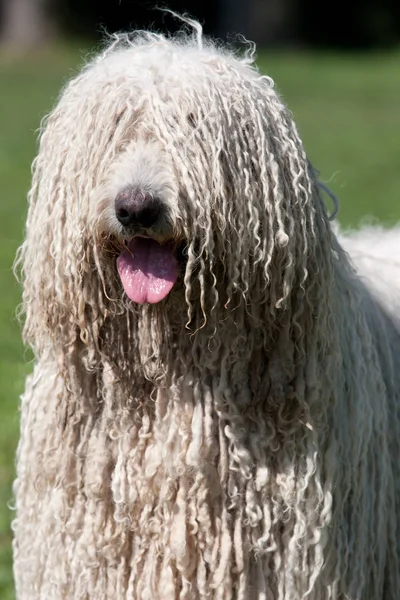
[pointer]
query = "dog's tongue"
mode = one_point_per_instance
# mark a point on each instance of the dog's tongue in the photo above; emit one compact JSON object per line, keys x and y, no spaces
{"x":148,"y":270}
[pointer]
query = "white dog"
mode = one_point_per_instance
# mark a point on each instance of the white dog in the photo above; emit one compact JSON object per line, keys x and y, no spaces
{"x":214,"y":410}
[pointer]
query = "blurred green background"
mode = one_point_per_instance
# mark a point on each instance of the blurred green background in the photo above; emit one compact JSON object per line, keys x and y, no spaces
{"x":347,"y":107}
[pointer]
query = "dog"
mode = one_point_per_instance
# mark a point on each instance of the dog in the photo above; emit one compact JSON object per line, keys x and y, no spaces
{"x":214,"y":407}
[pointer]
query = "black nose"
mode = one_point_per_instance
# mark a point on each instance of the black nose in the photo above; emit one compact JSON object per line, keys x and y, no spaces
{"x":134,"y":206}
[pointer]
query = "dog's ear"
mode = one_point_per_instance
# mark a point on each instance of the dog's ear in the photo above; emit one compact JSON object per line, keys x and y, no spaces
{"x":62,"y":293}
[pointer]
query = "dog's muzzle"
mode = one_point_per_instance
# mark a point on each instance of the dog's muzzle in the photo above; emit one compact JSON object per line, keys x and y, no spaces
{"x":147,"y":268}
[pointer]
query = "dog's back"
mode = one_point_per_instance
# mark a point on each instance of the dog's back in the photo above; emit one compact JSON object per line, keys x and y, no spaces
{"x":375,"y":253}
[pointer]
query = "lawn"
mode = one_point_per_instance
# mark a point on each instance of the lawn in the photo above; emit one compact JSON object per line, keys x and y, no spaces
{"x":347,"y":109}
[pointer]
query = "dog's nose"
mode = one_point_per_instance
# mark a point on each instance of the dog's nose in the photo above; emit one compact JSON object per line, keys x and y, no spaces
{"x":134,"y":206}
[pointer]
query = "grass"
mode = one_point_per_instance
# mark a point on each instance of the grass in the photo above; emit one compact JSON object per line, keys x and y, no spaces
{"x":346,"y":107}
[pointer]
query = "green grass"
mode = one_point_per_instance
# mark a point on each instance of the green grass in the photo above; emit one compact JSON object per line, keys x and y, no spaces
{"x":346,"y":107}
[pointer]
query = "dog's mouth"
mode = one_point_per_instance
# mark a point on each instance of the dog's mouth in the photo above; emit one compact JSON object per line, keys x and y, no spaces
{"x":148,"y":269}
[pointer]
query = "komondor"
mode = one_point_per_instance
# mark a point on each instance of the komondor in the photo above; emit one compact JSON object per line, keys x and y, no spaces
{"x":215,"y":407}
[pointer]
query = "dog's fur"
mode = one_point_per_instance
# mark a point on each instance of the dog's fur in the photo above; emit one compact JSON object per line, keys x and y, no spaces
{"x":241,"y":438}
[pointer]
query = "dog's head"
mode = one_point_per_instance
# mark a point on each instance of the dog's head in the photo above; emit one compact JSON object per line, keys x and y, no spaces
{"x":169,"y":174}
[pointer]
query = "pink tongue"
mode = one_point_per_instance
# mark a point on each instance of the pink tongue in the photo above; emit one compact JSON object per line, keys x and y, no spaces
{"x":148,"y":270}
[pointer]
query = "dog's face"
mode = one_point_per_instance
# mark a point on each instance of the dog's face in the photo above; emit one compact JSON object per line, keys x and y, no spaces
{"x":186,"y":203}
{"x":200,"y":198}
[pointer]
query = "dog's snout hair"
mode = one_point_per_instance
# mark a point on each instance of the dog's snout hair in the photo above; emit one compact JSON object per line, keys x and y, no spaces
{"x":139,"y":194}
